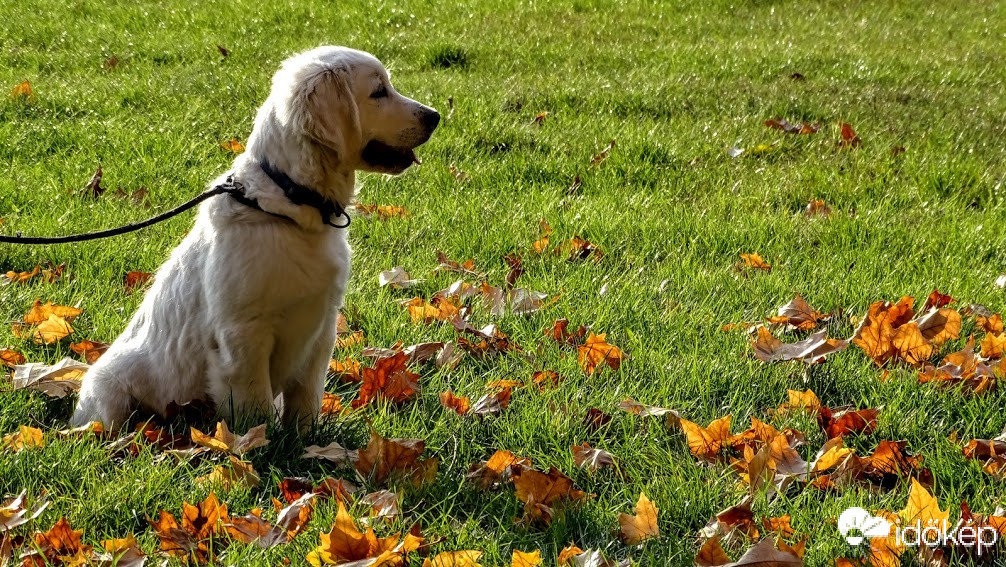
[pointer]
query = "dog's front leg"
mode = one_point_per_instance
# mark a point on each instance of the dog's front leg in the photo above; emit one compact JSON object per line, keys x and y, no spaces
{"x":302,"y":398}
{"x":238,"y":380}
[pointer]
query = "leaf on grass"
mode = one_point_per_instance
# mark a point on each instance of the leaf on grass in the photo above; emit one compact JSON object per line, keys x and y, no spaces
{"x":383,"y":505}
{"x":445,"y":264}
{"x":56,"y":380}
{"x":61,"y":545}
{"x":805,"y":401}
{"x":290,"y":521}
{"x":706,"y":442}
{"x":347,"y":370}
{"x":239,"y":474}
{"x":382,"y":212}
{"x":840,"y":421}
{"x":21,"y":91}
{"x":766,"y":553}
{"x":498,"y":469}
{"x":90,"y":351}
{"x":460,"y":404}
{"x":582,"y":249}
{"x":603,"y":154}
{"x":595,"y":352}
{"x":595,"y":419}
{"x":388,"y":379}
{"x":640,"y":527}
{"x":560,"y":333}
{"x":223,"y":441}
{"x":396,"y":278}
{"x":799,"y":315}
{"x":233,"y":145}
{"x":755,"y":262}
{"x":14,"y":513}
{"x":333,"y":452}
{"x":344,"y":543}
{"x":467,"y":558}
{"x":542,"y":492}
{"x":135,"y":280}
{"x":385,"y":459}
{"x":817,"y":207}
{"x":441,"y":309}
{"x":792,"y":127}
{"x":331,"y":404}
{"x":849,"y":138}
{"x":492,"y":403}
{"x":194,"y":537}
{"x":811,"y":350}
{"x":11,"y":358}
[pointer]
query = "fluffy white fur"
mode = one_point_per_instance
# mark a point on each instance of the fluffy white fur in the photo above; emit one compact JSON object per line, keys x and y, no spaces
{"x":243,"y":312}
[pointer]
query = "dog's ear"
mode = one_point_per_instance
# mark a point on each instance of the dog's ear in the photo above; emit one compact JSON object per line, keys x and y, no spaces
{"x":330,"y":115}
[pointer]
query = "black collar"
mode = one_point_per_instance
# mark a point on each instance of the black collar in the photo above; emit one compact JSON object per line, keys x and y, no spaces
{"x":298,"y":195}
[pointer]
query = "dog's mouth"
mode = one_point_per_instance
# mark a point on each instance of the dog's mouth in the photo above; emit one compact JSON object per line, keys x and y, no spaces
{"x":388,"y":158}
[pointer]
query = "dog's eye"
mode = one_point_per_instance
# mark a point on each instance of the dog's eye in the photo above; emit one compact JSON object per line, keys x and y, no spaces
{"x":381,"y":92}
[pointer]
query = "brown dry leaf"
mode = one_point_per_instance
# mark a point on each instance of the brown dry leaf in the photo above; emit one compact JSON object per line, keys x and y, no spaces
{"x":595,"y":352}
{"x":937,"y":300}
{"x":641,"y":527}
{"x":910,"y":345}
{"x":792,"y":127}
{"x":331,"y":404}
{"x":780,"y":526}
{"x":492,"y":403}
{"x":223,"y":441}
{"x":445,"y":264}
{"x":737,"y":518}
{"x":349,"y":339}
{"x":590,"y":458}
{"x":978,"y":375}
{"x":346,"y":370}
{"x":755,"y":262}
{"x":333,"y":452}
{"x":460,"y":404}
{"x":582,"y":249}
{"x":811,"y":350}
{"x":817,"y":207}
{"x":383,"y":505}
{"x":239,"y":474}
{"x":706,"y":442}
{"x":388,"y":379}
{"x":441,"y":309}
{"x":383,"y":212}
{"x":396,"y":278}
{"x":11,"y":358}
{"x":135,"y":280}
{"x":344,"y":543}
{"x":848,"y":139}
{"x":539,"y":119}
{"x":21,"y":91}
{"x":878,"y":328}
{"x":194,"y":537}
{"x":798,"y":314}
{"x":383,"y":459}
{"x":991,"y":324}
{"x":766,"y":553}
{"x":61,"y":545}
{"x":541,"y":492}
{"x":13,"y":277}
{"x":56,"y":381}
{"x":603,"y":154}
{"x":498,"y":469}
{"x":40,"y":313}
{"x":805,"y":401}
{"x":233,"y":145}
{"x":14,"y":513}
{"x":545,"y":378}
{"x":595,"y":419}
{"x":993,"y":346}
{"x":840,"y":421}
{"x":567,"y":554}
{"x":467,"y":558}
{"x":560,"y":333}
{"x":90,"y":351}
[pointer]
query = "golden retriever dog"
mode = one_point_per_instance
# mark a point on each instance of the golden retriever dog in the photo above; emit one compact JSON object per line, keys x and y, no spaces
{"x":243,"y":313}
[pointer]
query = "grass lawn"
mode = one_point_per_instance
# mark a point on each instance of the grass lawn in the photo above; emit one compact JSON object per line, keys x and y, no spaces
{"x":677,"y":85}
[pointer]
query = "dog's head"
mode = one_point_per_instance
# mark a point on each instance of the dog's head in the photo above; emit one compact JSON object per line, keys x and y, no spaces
{"x":342,"y":99}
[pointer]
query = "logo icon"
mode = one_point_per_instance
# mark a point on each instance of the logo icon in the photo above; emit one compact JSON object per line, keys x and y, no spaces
{"x":856,"y":519}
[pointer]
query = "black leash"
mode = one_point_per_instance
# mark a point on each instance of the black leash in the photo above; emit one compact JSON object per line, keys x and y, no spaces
{"x":296,"y":193}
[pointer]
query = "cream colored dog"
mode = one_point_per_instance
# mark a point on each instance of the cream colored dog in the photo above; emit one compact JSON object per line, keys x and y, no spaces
{"x":244,"y":311}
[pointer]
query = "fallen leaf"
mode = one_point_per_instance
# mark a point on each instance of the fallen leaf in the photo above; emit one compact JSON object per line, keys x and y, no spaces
{"x":840,"y":421}
{"x":11,"y":358}
{"x":754,"y":261}
{"x":590,"y":458}
{"x":21,"y":91}
{"x":792,"y":127}
{"x":541,"y":492}
{"x":195,"y":537}
{"x":135,"y":280}
{"x":706,"y":442}
{"x":333,"y":452}
{"x":595,"y":351}
{"x":347,"y":370}
{"x":396,"y":278}
{"x":603,"y":154}
{"x":849,"y":138}
{"x":239,"y":474}
{"x":383,"y":505}
{"x":233,"y":145}
{"x":560,"y":333}
{"x":344,"y":543}
{"x":811,"y":350}
{"x":817,"y":207}
{"x":498,"y":469}
{"x":388,"y":379}
{"x":383,"y":212}
{"x":460,"y":404}
{"x":641,"y":527}
{"x":383,"y":459}
{"x":56,"y":380}
{"x":91,"y":351}
{"x":223,"y":441}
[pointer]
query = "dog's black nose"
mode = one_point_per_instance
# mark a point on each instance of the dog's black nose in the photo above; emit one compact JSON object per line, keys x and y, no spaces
{"x":431,"y":119}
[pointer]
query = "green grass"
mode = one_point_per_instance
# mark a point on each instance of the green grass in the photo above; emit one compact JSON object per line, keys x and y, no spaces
{"x":676,"y":84}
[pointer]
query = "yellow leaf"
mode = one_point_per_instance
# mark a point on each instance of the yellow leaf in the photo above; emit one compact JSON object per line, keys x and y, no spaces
{"x":526,"y":559}
{"x":642,"y":526}
{"x":25,"y":438}
{"x":21,"y":90}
